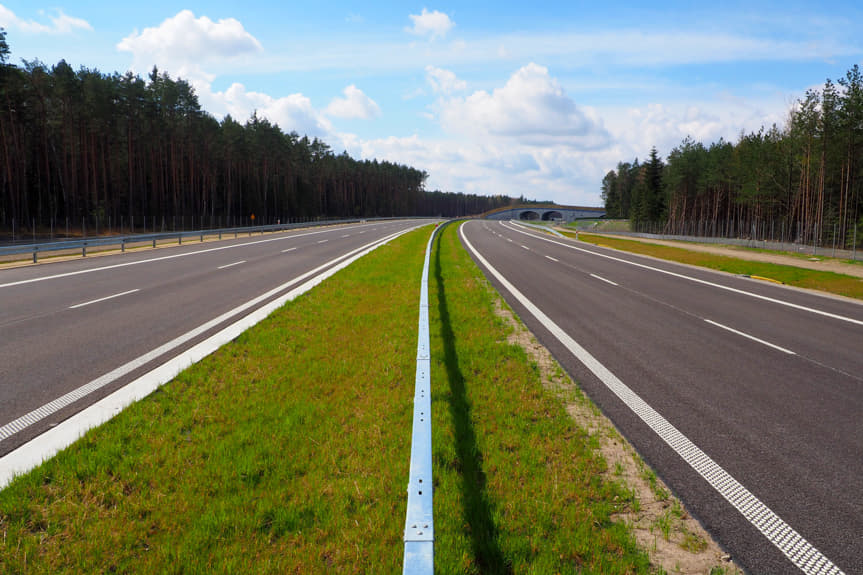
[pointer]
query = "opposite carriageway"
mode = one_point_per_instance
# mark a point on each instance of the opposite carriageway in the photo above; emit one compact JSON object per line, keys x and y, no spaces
{"x":760,"y":443}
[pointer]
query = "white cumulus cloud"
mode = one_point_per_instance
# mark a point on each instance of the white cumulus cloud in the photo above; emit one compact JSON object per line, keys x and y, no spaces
{"x":444,"y":81}
{"x":355,"y":104}
{"x":532,"y":109}
{"x":61,"y":23}
{"x":184,"y":44}
{"x":293,"y":113}
{"x":432,"y":24}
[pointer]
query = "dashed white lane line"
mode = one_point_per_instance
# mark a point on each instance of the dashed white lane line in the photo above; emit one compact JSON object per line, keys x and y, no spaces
{"x":163,"y":258}
{"x":323,"y":241}
{"x":231,"y":265}
{"x":797,"y":549}
{"x":346,"y":236}
{"x":525,"y":247}
{"x":752,"y":337}
{"x":103,"y":299}
{"x":600,"y":278}
{"x":692,"y":279}
{"x":288,"y":250}
{"x":553,"y":259}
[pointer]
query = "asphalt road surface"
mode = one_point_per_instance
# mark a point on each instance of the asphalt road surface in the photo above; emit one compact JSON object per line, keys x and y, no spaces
{"x":87,"y":327}
{"x":744,"y":396}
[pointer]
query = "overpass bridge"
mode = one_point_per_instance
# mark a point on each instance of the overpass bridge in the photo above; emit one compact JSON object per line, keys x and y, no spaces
{"x":544,"y":212}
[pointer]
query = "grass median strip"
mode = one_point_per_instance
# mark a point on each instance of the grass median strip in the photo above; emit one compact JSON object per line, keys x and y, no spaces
{"x":831,"y":282}
{"x":288,"y":449}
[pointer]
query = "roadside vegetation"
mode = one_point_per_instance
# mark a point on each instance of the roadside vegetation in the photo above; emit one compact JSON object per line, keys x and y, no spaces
{"x":830,"y":282}
{"x":288,"y":450}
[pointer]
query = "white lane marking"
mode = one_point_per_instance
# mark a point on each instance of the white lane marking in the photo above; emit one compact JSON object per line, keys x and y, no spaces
{"x":29,"y":419}
{"x":288,"y":250}
{"x":600,"y":278}
{"x":752,"y":337}
{"x":525,"y":247}
{"x":696,"y":280}
{"x":231,"y":265}
{"x":346,"y":236}
{"x":779,"y":533}
{"x":323,"y":241}
{"x":103,"y":299}
{"x":509,"y":240}
{"x":163,"y":258}
{"x":552,"y":259}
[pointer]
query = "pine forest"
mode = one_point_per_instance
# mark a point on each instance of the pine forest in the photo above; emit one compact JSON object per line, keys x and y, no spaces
{"x":85,"y":150}
{"x":801,"y":183}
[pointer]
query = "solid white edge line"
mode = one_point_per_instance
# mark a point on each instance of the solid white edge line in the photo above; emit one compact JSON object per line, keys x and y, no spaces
{"x":76,"y":306}
{"x":752,"y":337}
{"x":692,"y":279}
{"x":600,"y":278}
{"x":779,"y":533}
{"x":45,"y":446}
{"x":231,"y":265}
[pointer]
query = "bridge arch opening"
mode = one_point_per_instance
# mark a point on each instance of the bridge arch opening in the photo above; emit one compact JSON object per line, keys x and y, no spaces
{"x":554,"y":215}
{"x":528,"y":215}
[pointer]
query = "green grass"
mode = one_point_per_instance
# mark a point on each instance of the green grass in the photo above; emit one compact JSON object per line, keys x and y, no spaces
{"x":287,"y":450}
{"x":518,"y":484}
{"x":831,"y":282}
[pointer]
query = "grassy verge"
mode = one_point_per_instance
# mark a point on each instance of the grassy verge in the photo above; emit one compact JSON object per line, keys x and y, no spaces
{"x":831,"y":282}
{"x":287,"y":450}
{"x":518,"y":483}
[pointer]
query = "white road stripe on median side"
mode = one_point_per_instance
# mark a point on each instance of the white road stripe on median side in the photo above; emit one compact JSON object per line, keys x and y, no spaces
{"x":46,"y":445}
{"x":752,"y":337}
{"x":600,"y":278}
{"x":552,"y":259}
{"x":797,"y":549}
{"x":231,"y":265}
{"x":103,"y":299}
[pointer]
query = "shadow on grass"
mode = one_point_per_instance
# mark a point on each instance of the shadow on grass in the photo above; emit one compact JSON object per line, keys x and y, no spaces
{"x":477,"y":510}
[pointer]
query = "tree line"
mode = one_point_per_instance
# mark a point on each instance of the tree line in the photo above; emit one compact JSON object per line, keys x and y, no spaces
{"x":801,"y":182}
{"x":98,"y":148}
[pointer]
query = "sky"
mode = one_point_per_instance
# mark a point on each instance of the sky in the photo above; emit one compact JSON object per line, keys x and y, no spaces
{"x":535,"y":99}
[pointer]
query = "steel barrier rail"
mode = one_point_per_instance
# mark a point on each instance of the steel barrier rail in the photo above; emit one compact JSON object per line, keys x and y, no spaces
{"x":123,"y":241}
{"x":419,"y":519}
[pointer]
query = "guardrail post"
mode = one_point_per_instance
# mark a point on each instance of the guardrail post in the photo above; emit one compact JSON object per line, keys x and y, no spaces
{"x":180,"y":238}
{"x":35,"y":249}
{"x":123,"y":245}
{"x":154,"y":243}
{"x":84,"y":250}
{"x":202,"y":237}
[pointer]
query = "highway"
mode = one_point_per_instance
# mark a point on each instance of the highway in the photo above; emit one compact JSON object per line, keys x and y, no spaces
{"x":73,"y":332}
{"x":746,"y":397}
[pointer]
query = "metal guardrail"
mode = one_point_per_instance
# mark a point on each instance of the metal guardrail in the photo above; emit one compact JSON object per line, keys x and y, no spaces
{"x":776,"y":245}
{"x":419,"y":519}
{"x":122,"y":241}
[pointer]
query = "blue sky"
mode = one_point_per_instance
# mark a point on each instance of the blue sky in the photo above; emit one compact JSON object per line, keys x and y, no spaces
{"x":538,"y":99}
